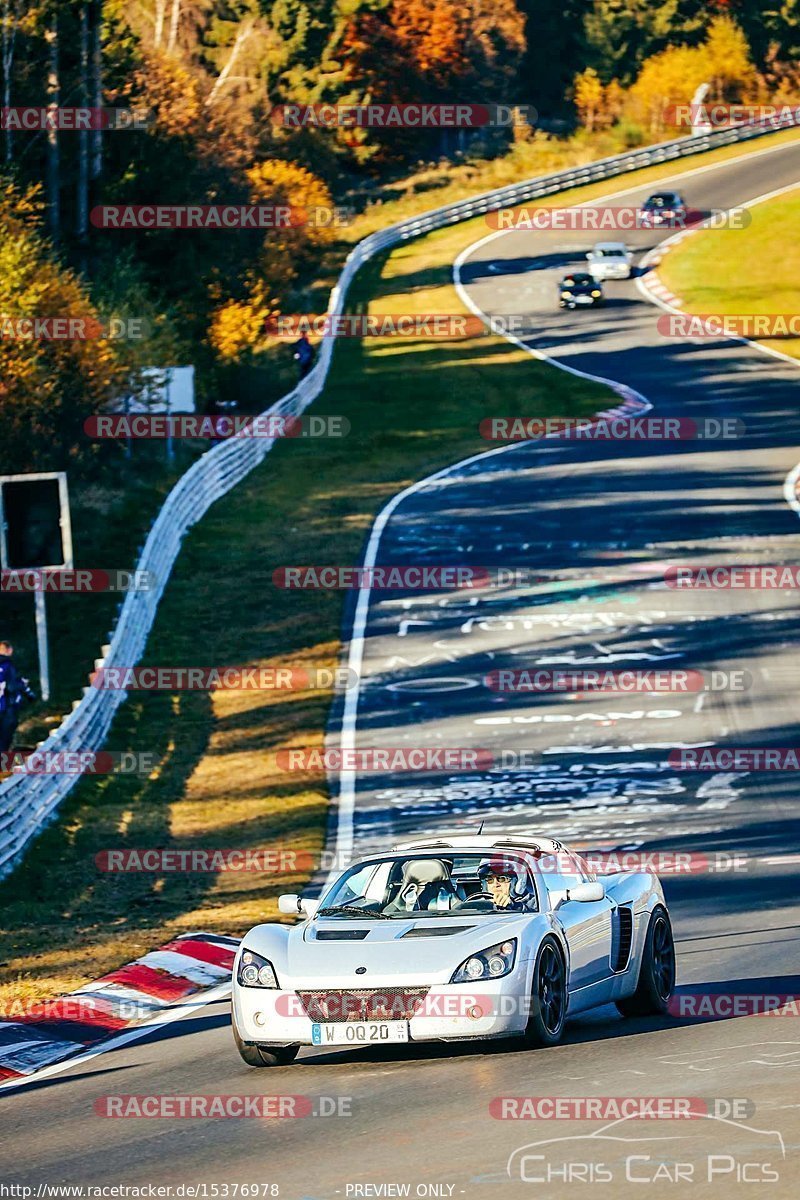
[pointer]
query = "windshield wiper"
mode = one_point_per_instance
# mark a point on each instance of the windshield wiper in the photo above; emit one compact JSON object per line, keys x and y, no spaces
{"x":353,"y":908}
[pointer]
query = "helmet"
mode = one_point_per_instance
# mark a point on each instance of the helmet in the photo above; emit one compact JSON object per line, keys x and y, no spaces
{"x":513,"y":867}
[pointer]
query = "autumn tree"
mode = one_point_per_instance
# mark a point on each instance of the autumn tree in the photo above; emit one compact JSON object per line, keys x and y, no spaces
{"x":49,"y":386}
{"x":728,"y":63}
{"x":672,"y":76}
{"x":588,"y":97}
{"x":431,"y":51}
{"x":430,"y":37}
{"x":238,"y":323}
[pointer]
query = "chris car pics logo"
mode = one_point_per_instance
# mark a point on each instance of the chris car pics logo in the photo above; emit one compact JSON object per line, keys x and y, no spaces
{"x":717,"y":1150}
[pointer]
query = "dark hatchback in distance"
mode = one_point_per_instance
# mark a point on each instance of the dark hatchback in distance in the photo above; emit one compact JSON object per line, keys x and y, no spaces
{"x":663,"y":208}
{"x":579,"y":288}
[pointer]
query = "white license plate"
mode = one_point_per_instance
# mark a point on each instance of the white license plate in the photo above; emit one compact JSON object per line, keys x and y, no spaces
{"x":584,"y":299}
{"x":358,"y":1033}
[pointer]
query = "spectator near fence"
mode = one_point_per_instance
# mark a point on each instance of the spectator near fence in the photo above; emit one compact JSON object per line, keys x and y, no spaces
{"x":14,"y":691}
{"x":303,"y":355}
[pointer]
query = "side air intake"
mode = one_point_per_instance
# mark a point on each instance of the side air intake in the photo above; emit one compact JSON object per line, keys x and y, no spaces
{"x":624,"y":939}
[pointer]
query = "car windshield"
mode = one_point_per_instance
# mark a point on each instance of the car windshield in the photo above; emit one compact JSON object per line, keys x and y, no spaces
{"x":578,"y":281}
{"x":665,"y":201}
{"x":436,"y":885}
{"x":613,"y":253}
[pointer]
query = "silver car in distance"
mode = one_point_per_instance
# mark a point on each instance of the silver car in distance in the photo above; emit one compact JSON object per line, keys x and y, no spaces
{"x":451,"y":939}
{"x":610,"y":260}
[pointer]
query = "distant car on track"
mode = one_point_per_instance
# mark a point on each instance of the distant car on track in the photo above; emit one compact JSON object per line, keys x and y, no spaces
{"x":579,"y":288}
{"x":469,"y":937}
{"x":610,"y":260}
{"x":663,"y":208}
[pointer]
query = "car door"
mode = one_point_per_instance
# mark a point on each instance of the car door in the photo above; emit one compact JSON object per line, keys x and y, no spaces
{"x":587,"y":925}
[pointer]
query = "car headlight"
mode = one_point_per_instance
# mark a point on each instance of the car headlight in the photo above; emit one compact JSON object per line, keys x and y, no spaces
{"x":491,"y":963}
{"x":595,"y":294}
{"x":255,"y":971}
{"x":567,"y":295}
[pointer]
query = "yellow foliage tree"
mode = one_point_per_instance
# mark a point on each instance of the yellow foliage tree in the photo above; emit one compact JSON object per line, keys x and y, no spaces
{"x":278,"y":182}
{"x":730,"y":72}
{"x":50,"y":385}
{"x":613,"y":101}
{"x":238,"y":325}
{"x":588,"y":97}
{"x":671,"y":77}
{"x":170,"y":91}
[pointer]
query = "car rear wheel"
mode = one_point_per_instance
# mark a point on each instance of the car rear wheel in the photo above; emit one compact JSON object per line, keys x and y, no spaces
{"x":657,"y":972}
{"x":548,"y":996}
{"x":264,"y":1056}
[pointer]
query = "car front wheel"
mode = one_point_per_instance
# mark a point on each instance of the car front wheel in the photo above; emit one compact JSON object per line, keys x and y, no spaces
{"x":657,"y":972}
{"x":264,"y":1056}
{"x":548,"y":996}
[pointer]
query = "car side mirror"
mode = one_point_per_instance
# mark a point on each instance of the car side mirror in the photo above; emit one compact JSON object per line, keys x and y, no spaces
{"x":289,"y":903}
{"x":309,"y":907}
{"x":589,"y":255}
{"x":586,"y":893}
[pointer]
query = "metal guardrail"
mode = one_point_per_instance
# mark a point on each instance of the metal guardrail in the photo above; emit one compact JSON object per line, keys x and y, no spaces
{"x":29,"y":801}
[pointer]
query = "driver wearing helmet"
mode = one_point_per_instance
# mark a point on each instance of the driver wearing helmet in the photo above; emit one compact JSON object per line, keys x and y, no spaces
{"x":508,"y":883}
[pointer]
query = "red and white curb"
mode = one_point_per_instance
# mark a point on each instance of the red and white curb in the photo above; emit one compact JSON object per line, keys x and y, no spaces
{"x":193,"y":967}
{"x":633,"y":405}
{"x":656,"y":288}
{"x":651,"y":282}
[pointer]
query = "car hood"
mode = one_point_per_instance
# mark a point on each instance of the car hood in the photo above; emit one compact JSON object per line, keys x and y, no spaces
{"x":330,"y":950}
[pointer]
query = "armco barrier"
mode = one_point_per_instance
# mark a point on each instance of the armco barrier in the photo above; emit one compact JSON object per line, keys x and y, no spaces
{"x":27,"y":802}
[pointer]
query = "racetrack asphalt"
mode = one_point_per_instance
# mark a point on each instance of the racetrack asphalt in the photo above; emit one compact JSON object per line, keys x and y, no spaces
{"x":613,"y":513}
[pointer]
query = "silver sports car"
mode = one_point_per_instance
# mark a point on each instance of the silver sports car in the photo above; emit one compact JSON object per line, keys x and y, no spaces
{"x":467,"y":937}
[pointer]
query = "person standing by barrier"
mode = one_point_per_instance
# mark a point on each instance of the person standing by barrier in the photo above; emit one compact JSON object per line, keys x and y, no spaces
{"x":14,"y":691}
{"x":303,"y":354}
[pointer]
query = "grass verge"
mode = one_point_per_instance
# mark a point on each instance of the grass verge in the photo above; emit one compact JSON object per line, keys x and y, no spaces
{"x":706,"y":271}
